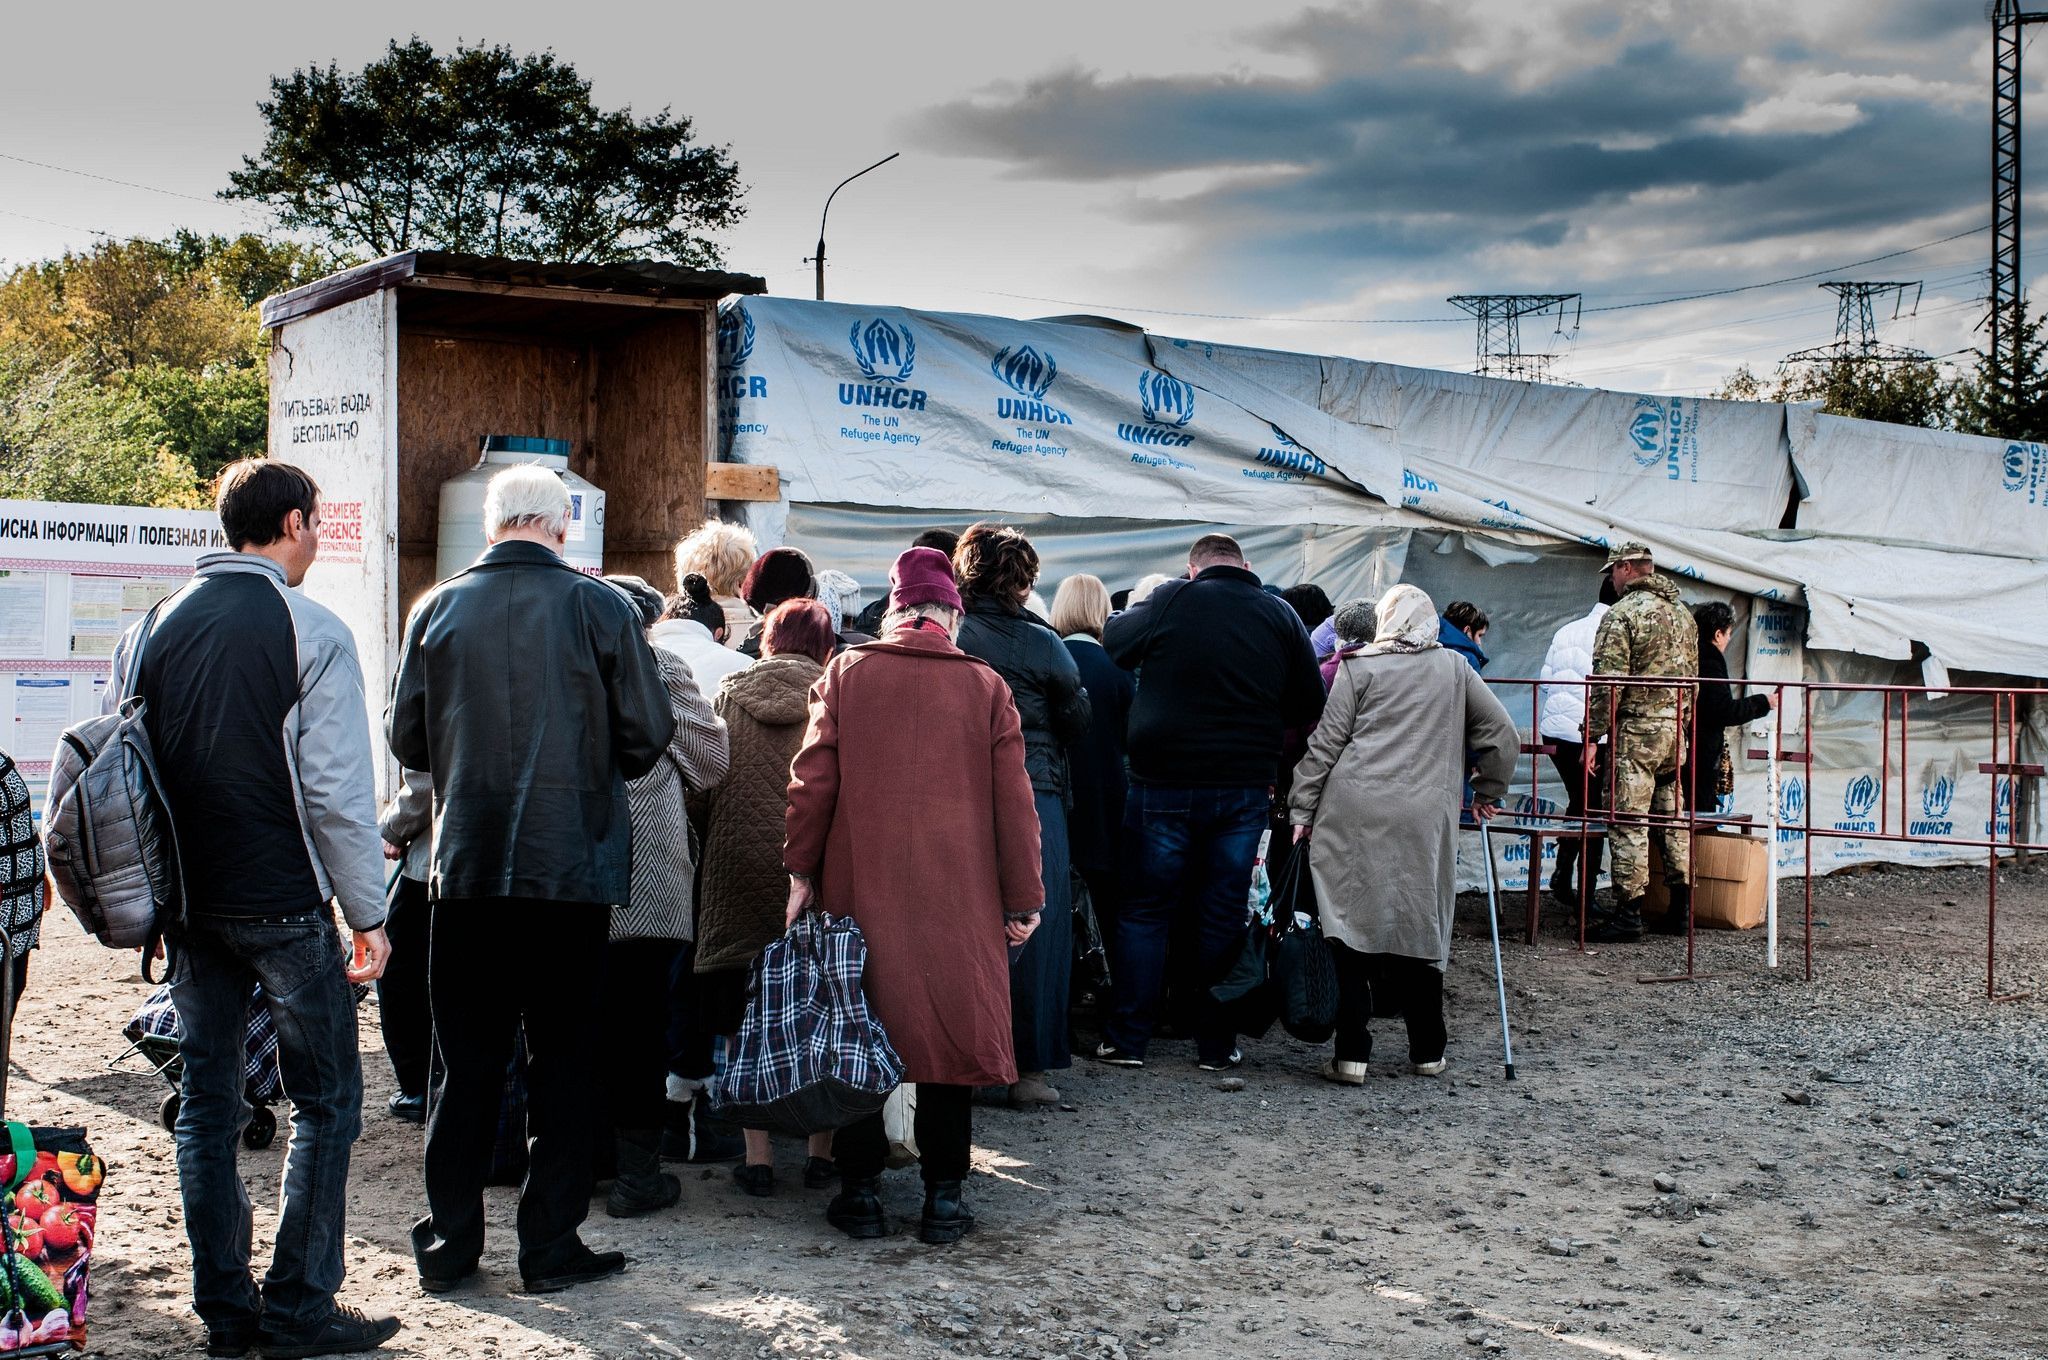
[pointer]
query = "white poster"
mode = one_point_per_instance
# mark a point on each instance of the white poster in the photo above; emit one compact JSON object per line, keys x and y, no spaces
{"x":23,"y":613}
{"x":42,"y":710}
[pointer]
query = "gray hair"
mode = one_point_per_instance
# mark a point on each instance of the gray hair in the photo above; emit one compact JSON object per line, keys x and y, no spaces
{"x":526,"y":497}
{"x":1146,"y":585}
{"x":1356,"y":620}
{"x":942,"y":614}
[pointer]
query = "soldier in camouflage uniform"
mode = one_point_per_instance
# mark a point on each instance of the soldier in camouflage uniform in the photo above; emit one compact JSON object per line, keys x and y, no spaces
{"x":1647,"y":632}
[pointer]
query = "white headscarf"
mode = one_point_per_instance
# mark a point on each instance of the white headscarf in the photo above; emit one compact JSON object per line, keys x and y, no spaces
{"x":1407,"y":622}
{"x":839,"y":593}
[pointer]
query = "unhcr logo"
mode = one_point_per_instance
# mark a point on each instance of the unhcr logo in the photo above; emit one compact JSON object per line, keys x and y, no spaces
{"x":1937,"y":800}
{"x":735,"y":345}
{"x":1791,"y":808}
{"x":886,"y":354}
{"x":1290,"y":456}
{"x":2026,"y":471}
{"x":1168,"y":405}
{"x":1030,"y":375}
{"x":2001,"y":824}
{"x":1859,"y":800}
{"x":1664,"y":430}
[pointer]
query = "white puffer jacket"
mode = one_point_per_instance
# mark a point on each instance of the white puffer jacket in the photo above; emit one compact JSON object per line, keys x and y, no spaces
{"x":1569,"y":659}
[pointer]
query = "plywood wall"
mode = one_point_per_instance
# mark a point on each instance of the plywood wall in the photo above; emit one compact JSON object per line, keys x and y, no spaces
{"x":631,"y":402}
{"x":647,"y":442}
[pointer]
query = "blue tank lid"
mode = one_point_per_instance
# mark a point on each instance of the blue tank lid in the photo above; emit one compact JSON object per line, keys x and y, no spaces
{"x":525,"y":443}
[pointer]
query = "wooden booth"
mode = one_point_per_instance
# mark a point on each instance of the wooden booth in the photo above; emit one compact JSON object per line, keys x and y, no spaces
{"x":384,"y":379}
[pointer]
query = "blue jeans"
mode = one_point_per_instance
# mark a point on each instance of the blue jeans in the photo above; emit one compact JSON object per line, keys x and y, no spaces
{"x":1188,"y":861}
{"x":298,"y":960}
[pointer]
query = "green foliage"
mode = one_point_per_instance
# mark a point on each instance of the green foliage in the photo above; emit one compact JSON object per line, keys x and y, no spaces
{"x":130,"y":373}
{"x":1903,"y":393}
{"x":485,"y":152}
{"x":2009,"y":408}
{"x":65,"y":437}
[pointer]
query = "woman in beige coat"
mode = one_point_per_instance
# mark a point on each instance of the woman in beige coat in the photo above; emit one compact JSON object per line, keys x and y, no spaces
{"x":1376,"y":798}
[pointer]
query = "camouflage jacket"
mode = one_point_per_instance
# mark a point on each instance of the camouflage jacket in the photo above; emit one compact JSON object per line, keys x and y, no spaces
{"x":1647,"y":633}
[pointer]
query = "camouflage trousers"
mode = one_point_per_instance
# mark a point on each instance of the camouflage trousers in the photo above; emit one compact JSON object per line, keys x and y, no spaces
{"x":1646,"y":752}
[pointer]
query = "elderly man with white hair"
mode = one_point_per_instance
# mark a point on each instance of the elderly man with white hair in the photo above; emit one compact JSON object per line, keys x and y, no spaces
{"x":528,"y":692}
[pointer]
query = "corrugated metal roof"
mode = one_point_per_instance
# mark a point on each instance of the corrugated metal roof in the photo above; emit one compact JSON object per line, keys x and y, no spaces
{"x":636,"y":278}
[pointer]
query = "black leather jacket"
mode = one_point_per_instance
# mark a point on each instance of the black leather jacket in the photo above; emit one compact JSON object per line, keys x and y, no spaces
{"x":1043,"y":679}
{"x":530,"y":694}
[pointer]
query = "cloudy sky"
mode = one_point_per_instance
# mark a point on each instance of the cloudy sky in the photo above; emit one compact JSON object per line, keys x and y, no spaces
{"x":1317,"y":178}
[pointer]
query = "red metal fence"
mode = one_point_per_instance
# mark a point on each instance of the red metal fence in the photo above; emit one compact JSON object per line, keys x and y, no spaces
{"x":2000,"y":759}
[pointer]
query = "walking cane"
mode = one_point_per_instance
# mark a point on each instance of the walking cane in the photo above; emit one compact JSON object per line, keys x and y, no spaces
{"x":1507,"y":1045}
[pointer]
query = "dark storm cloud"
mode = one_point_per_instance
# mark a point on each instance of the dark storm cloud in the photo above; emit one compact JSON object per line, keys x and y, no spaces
{"x":1400,"y":148}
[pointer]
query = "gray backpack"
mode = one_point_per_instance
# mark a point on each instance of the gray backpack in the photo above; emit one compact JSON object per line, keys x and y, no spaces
{"x":107,"y":826}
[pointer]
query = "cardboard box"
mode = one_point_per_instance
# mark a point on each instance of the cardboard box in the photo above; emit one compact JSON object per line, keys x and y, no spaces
{"x":1729,"y":874}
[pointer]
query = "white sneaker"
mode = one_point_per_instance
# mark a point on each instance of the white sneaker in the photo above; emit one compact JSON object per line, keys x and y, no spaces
{"x":1429,"y":1069}
{"x":1344,"y":1073}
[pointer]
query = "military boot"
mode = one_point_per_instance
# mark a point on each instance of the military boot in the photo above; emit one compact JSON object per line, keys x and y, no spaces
{"x":1674,"y":919}
{"x":1624,"y":927}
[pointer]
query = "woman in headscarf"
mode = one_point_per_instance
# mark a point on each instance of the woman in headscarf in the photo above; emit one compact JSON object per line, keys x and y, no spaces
{"x":1376,"y":799}
{"x":910,"y":810}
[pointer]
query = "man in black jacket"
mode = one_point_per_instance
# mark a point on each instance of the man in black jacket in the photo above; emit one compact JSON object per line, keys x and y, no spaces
{"x":527,"y":691}
{"x":1224,"y":669}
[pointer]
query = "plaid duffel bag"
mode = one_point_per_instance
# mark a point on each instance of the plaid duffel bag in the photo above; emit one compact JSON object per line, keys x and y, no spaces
{"x":811,"y":1056}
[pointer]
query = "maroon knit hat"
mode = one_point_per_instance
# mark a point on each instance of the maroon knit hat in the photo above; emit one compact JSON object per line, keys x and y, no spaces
{"x":923,"y":576}
{"x":777,"y":575}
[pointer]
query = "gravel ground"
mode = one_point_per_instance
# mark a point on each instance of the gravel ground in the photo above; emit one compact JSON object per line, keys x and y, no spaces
{"x":1745,"y":1165}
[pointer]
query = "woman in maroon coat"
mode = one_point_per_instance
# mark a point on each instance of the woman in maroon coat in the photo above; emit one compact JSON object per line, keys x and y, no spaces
{"x":910,"y":810}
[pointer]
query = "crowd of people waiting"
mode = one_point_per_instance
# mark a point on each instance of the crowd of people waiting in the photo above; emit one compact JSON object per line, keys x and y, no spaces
{"x":613,"y":800}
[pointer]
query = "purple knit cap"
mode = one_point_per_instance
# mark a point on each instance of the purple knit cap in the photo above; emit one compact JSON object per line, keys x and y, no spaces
{"x":923,"y":576}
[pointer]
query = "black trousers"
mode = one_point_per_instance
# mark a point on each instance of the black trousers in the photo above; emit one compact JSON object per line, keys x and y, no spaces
{"x":498,"y":965}
{"x":1393,"y":985}
{"x":945,"y":1134}
{"x":690,"y":1038}
{"x":1569,"y":758}
{"x":402,"y":1007}
{"x":636,"y":983}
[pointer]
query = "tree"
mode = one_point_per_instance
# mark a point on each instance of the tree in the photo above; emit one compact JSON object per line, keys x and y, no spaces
{"x":132,"y":372}
{"x":1901,"y":392}
{"x":64,"y":437}
{"x":2014,"y":407}
{"x":485,"y":152}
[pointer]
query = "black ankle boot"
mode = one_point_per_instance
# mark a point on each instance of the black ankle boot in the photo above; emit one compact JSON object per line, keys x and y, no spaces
{"x":641,"y":1186}
{"x":857,"y":1209}
{"x":1562,"y":890}
{"x":1624,"y":927}
{"x":1673,"y":921}
{"x":946,"y":1215}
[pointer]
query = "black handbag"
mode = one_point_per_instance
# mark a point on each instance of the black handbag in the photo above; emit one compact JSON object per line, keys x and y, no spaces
{"x":1304,"y":975}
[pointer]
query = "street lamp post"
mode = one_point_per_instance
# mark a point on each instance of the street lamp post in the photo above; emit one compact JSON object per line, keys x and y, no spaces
{"x":819,"y":258}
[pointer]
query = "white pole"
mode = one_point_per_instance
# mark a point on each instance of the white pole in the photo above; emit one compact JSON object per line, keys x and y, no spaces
{"x":1771,"y":846}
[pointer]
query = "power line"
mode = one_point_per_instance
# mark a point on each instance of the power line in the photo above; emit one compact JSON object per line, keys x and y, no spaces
{"x":67,"y":226}
{"x":1460,"y":320}
{"x":109,"y":179}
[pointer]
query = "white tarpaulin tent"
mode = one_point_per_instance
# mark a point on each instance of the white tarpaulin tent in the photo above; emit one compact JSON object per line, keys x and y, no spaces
{"x":1114,"y":447}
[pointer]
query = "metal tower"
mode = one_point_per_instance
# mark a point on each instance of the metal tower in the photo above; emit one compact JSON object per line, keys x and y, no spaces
{"x":2008,"y":306}
{"x":1856,"y":324}
{"x":1500,"y":330}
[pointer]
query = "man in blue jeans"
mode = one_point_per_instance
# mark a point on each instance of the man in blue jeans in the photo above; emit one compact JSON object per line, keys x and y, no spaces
{"x":1225,"y":670}
{"x":255,"y":710}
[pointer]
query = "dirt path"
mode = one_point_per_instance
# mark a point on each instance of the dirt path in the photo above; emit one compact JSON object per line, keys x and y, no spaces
{"x":1895,"y":1210}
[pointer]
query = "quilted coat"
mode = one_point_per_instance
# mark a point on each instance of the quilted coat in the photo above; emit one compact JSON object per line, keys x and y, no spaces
{"x":744,"y":890}
{"x":1570,"y":658}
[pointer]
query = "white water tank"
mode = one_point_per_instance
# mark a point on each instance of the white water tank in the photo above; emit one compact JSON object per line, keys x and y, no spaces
{"x":461,"y":538}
